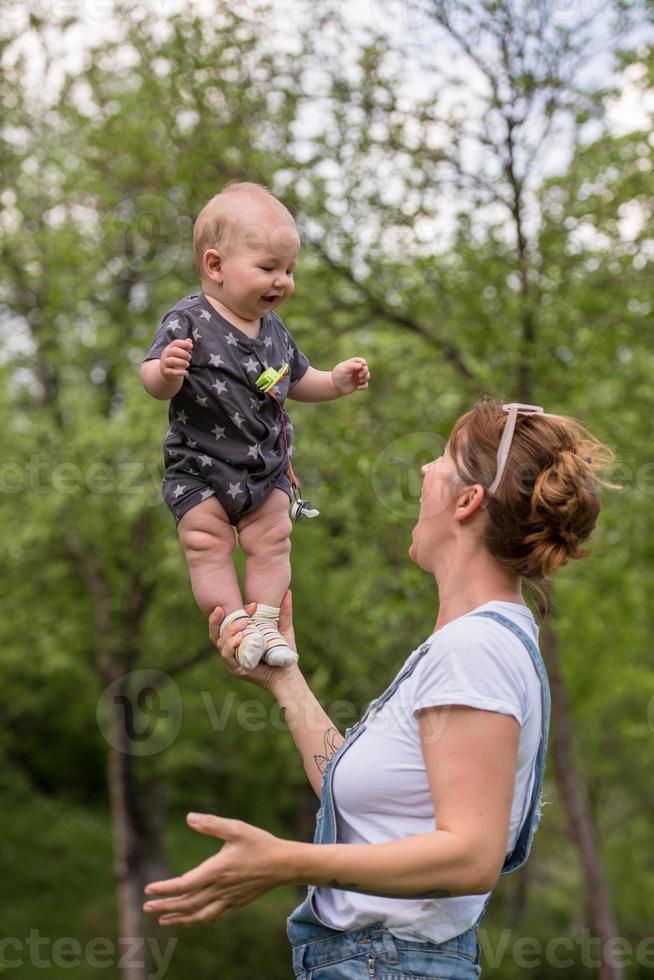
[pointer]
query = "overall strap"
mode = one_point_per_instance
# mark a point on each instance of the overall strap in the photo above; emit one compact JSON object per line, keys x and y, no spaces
{"x":523,"y":844}
{"x":536,"y":658}
{"x":379,"y":701}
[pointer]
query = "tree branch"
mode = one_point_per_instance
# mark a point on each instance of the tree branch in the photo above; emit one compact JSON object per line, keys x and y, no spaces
{"x":184,"y":664}
{"x":377,"y":305}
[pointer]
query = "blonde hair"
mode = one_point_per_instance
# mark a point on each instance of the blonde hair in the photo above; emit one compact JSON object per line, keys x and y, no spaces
{"x":218,"y":223}
{"x":547,"y":503}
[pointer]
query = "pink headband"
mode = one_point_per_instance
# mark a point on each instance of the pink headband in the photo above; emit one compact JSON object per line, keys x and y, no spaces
{"x":514,"y":409}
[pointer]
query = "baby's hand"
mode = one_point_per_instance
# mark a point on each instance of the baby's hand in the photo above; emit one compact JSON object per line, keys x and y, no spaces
{"x":349,"y":376}
{"x":176,"y":358}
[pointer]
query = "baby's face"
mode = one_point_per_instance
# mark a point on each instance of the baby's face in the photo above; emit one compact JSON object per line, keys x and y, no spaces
{"x":257,"y":269}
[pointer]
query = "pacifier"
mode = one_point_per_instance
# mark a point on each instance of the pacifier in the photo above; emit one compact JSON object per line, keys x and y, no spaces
{"x":301,"y":508}
{"x":270,"y":377}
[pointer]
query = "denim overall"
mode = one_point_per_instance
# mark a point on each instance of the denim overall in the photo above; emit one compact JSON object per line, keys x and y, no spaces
{"x":323,"y":953}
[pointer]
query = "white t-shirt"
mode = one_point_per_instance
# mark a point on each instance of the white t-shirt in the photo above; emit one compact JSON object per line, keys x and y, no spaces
{"x":380,"y":785}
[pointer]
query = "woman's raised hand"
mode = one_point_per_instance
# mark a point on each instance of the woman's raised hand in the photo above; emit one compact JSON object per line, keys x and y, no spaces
{"x":263,"y":675}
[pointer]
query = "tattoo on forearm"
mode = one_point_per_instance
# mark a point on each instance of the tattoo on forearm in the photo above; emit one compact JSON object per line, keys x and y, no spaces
{"x":329,"y":749}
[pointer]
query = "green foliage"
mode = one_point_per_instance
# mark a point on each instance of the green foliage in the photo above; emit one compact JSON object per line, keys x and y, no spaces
{"x":404,"y":264}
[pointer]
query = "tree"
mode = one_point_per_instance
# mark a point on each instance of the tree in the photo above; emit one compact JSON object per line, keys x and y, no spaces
{"x":453,"y":271}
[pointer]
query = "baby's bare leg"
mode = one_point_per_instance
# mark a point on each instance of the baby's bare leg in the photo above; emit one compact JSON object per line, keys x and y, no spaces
{"x":265,"y":537}
{"x":208,"y":541}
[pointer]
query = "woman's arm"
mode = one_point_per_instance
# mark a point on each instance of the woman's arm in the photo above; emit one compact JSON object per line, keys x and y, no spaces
{"x":470,"y":757}
{"x":316,"y":738}
{"x":311,"y":728}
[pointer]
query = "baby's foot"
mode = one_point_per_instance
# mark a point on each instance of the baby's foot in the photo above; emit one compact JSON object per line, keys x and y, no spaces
{"x":251,"y":648}
{"x":277,"y":651}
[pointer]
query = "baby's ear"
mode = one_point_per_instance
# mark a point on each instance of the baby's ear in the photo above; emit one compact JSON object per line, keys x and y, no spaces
{"x":213,"y":264}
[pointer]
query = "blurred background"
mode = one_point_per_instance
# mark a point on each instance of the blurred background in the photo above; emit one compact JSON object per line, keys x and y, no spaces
{"x":474,"y":188}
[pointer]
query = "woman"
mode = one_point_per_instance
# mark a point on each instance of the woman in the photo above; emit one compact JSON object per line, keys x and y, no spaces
{"x":436,"y":792}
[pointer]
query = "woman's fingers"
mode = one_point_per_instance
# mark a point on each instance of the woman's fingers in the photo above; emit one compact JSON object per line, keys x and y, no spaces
{"x":181,"y":904}
{"x":210,"y":913}
{"x":286,"y":614}
{"x":195,"y":879}
{"x":215,"y":619}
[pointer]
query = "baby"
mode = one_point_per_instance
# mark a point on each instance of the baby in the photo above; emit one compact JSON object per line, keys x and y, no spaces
{"x":228,"y":448}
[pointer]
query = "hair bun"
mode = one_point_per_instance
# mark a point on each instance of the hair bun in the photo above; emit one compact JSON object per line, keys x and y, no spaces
{"x":564,"y":510}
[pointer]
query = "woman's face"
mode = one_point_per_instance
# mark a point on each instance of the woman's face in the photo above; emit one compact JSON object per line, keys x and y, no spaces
{"x":437,"y":504}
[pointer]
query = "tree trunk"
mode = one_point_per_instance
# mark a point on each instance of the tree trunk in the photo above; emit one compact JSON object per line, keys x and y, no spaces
{"x":581,"y":826}
{"x":138,"y":853}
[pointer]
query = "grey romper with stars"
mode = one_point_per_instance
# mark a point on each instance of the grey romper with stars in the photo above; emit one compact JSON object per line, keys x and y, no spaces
{"x":225,"y":437}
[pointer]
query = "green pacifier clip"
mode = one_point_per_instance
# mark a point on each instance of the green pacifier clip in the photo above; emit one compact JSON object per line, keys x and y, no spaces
{"x":270,"y":378}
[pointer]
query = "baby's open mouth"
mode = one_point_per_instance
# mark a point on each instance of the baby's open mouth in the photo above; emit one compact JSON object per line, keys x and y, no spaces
{"x":270,"y":299}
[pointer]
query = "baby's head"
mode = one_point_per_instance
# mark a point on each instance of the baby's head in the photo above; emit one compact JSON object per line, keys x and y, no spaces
{"x":246,"y":247}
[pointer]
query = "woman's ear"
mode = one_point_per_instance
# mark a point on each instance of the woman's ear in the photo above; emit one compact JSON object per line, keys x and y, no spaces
{"x":213,"y":265}
{"x":469,"y":501}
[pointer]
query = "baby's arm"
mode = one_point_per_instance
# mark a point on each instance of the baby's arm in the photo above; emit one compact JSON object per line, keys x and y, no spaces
{"x":324,"y":386}
{"x":163,"y":377}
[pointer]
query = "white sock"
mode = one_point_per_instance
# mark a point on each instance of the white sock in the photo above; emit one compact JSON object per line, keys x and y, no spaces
{"x":277,"y":651}
{"x":251,"y":648}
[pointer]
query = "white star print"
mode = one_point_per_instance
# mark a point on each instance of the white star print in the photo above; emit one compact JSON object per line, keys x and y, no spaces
{"x":171,"y":431}
{"x":196,"y":334}
{"x":254,"y":404}
{"x":220,"y":386}
{"x":174,"y":325}
{"x":253,"y":451}
{"x":237,"y":420}
{"x":267,"y":341}
{"x":234,"y":490}
{"x":219,"y":432}
{"x":275,"y":428}
{"x":231,"y":339}
{"x":202,"y":399}
{"x":192,"y":444}
{"x":206,"y":460}
{"x":215,"y":360}
{"x":251,"y":365}
{"x":182,"y":417}
{"x":206,"y":494}
{"x":205,"y":315}
{"x":179,"y":490}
